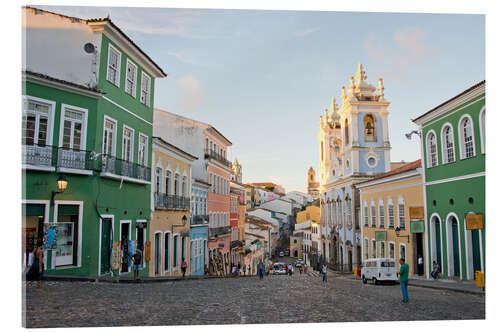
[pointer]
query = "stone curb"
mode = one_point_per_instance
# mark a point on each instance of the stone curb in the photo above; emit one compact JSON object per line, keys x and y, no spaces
{"x":478,"y":292}
{"x":131,"y":280}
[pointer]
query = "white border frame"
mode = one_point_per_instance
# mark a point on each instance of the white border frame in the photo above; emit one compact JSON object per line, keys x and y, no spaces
{"x":45,"y":218}
{"x":145,"y":235}
{"x":449,"y":239}
{"x":175,"y":268}
{"x":80,"y":223}
{"x":146,"y":159}
{"x":461,"y":136}
{"x":389,"y":243}
{"x":99,"y":273}
{"x":402,"y":245}
{"x":129,"y":62}
{"x":110,"y":46}
{"x":428,"y":150}
{"x":132,"y":142}
{"x":85,"y":124}
{"x":52,"y":113}
{"x":106,"y":117}
{"x":160,"y":270}
{"x":148,"y":101}
{"x":444,"y":149}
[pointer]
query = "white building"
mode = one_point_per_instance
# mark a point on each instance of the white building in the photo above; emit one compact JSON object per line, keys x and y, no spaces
{"x":301,"y":198}
{"x":354,"y":147}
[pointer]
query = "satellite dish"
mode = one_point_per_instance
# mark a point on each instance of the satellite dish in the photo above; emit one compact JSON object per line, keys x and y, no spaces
{"x":89,"y":48}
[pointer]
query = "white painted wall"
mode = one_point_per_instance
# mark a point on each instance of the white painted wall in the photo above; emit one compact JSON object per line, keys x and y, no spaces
{"x":266,"y":216}
{"x":278,"y":205}
{"x":53,"y":45}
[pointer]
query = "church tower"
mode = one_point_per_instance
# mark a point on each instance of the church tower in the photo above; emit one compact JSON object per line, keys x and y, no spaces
{"x":312,"y":184}
{"x":236,"y":175}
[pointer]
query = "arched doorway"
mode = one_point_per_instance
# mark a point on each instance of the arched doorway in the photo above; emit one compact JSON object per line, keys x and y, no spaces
{"x":453,"y":246}
{"x":435,"y":230}
{"x":348,"y":247}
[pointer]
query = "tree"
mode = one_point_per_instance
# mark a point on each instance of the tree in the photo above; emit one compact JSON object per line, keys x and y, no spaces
{"x":270,"y":188}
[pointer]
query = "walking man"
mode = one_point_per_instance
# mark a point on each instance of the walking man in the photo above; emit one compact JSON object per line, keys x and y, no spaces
{"x":137,"y":258}
{"x":403,"y":279}
{"x":324,"y":272}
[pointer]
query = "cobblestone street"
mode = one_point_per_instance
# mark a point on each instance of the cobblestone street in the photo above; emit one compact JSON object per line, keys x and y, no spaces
{"x":276,"y":299}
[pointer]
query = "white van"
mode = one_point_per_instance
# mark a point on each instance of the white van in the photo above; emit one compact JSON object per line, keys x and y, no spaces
{"x":379,"y":269}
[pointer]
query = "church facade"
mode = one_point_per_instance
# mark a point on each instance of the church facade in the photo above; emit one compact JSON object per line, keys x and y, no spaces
{"x":354,"y":147}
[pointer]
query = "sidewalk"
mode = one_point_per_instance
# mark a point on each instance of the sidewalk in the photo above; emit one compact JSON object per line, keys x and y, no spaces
{"x":468,"y":287}
{"x":118,"y":279}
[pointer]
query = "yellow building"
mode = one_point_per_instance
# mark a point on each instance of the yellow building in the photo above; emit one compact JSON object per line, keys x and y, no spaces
{"x":310,"y":213}
{"x":170,"y":193}
{"x":296,"y":245}
{"x":392,"y":216}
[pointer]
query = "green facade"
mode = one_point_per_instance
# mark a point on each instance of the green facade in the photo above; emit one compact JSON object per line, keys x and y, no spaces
{"x":93,"y":192}
{"x":455,"y":189}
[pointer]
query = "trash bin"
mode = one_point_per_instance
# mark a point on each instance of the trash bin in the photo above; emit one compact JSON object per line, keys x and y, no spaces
{"x":479,"y":279}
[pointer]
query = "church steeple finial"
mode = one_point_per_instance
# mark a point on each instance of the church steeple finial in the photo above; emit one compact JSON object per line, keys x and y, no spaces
{"x":351,"y":87}
{"x":381,"y":88}
{"x":360,"y":74}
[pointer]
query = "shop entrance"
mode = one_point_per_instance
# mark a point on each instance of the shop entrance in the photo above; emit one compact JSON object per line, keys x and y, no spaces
{"x":476,"y":251}
{"x":32,"y":227}
{"x":67,"y":235}
{"x":157,"y":258}
{"x":455,"y":245}
{"x":105,"y":245}
{"x":125,"y":237}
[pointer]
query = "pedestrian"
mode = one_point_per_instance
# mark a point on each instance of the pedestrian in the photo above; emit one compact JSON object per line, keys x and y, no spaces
{"x":435,"y":270}
{"x":324,"y":272}
{"x":420,"y":262}
{"x":183,"y":267}
{"x":244,"y":270}
{"x":300,"y":270}
{"x":290,"y":270}
{"x":403,"y":279}
{"x":36,"y":270}
{"x":137,"y":258}
{"x":260,"y":270}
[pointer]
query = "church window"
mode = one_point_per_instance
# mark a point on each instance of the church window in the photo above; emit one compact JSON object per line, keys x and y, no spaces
{"x":369,"y":123}
{"x":346,"y":131}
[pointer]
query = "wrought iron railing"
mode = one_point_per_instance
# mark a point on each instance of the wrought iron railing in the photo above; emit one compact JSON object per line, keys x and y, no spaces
{"x":209,"y":153}
{"x":199,"y":219}
{"x":219,"y":231}
{"x":164,"y":201}
{"x":124,"y":168}
{"x":51,"y":156}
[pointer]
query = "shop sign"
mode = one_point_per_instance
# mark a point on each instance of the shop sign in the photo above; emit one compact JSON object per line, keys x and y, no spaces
{"x":417,"y":227}
{"x":380,"y":235}
{"x":416,"y":213}
{"x":474,"y":221}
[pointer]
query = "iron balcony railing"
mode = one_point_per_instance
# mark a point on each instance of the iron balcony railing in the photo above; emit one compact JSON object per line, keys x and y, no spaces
{"x":209,"y":153}
{"x":51,"y":156}
{"x":199,"y":219}
{"x":124,"y":168}
{"x":164,"y":201}
{"x":219,"y":231}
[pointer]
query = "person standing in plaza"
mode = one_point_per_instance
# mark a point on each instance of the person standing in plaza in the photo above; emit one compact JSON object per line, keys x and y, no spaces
{"x":244,"y":270}
{"x":403,"y":279}
{"x":324,"y":272}
{"x":137,"y":258}
{"x":36,"y":270}
{"x":435,"y":270}
{"x":183,"y":267}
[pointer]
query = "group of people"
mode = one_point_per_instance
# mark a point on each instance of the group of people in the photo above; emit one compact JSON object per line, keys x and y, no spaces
{"x":238,"y":270}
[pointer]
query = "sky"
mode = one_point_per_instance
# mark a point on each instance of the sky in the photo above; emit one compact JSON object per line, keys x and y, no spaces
{"x":262,"y":78}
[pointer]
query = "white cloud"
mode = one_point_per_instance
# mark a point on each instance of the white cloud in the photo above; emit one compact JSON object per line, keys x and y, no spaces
{"x":185,"y":57}
{"x":306,"y":32}
{"x":408,"y":49}
{"x":191,"y":93}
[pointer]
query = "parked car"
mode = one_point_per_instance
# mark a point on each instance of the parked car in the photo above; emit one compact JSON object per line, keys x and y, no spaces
{"x":379,"y":269}
{"x":279,"y":268}
{"x":298,"y":263}
{"x":287,"y":253}
{"x":282,"y":254}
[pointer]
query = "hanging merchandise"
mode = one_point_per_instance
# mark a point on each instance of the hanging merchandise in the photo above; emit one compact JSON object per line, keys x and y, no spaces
{"x":50,"y":236}
{"x":147,"y":250}
{"x":117,"y":255}
{"x":131,"y":251}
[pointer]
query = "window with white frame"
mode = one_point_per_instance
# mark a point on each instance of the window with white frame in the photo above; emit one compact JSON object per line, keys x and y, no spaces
{"x":391,"y":250}
{"x":448,"y":144}
{"x":168,"y":180}
{"x":382,"y":249}
{"x":184,"y":186}
{"x":114,"y":59}
{"x":109,"y":137}
{"x":131,"y":79}
{"x":176,"y":184}
{"x":482,"y":127}
{"x":401,"y":214}
{"x":73,"y":129}
{"x":374,"y":248}
{"x":143,"y":150}
{"x":381,"y":214}
{"x":365,"y":214}
{"x":402,"y":251}
{"x":390,"y":211}
{"x":373,"y":215}
{"x":36,"y":119}
{"x":145,"y":89}
{"x":432,"y":160}
{"x":366,"y":248}
{"x":158,"y":176}
{"x":467,"y":137}
{"x":128,"y":144}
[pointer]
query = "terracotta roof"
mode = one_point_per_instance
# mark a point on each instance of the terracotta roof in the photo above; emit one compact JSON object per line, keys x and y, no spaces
{"x":50,"y":78}
{"x":462,"y":93}
{"x":407,"y":167}
{"x":108,"y":20}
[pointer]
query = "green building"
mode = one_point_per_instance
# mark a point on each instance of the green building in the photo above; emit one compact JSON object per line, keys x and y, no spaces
{"x":86,"y":120}
{"x":453,"y":155}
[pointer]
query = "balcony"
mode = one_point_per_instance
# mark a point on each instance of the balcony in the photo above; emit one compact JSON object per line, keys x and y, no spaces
{"x":132,"y":171}
{"x":219,"y":231}
{"x":164,"y":201}
{"x":199,"y":219}
{"x":48,"y":158}
{"x":209,"y":153}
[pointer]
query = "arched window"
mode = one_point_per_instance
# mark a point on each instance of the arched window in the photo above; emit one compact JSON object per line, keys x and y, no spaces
{"x":467,"y":146}
{"x":365,"y":213}
{"x":448,"y":144}
{"x":369,"y":125}
{"x":432,"y":160}
{"x":482,"y":128}
{"x":401,"y":213}
{"x":373,"y":212}
{"x":346,"y":131}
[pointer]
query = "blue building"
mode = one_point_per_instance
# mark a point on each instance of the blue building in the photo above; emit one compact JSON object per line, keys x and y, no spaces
{"x":198,"y":231}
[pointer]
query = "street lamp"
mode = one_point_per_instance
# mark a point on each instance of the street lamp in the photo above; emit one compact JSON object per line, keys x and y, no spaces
{"x":62,"y":183}
{"x":408,"y":135}
{"x":398,"y":231}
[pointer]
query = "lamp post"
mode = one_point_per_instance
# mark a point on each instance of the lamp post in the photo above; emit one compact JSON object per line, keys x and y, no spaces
{"x":62,"y":183}
{"x":398,"y":231}
{"x":409,"y":135}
